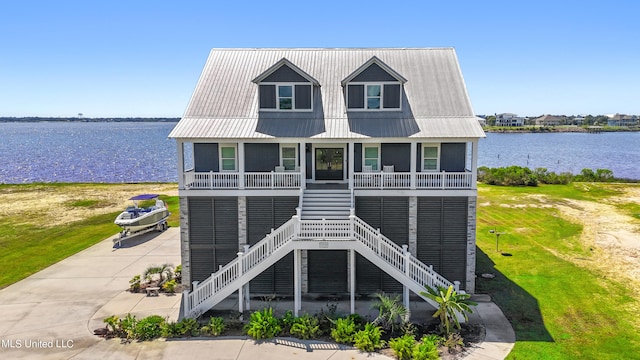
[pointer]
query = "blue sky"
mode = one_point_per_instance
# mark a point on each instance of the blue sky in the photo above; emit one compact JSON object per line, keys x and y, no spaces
{"x":143,"y":58}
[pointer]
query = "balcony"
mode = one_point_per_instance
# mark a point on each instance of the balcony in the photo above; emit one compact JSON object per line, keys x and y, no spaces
{"x":233,"y":180}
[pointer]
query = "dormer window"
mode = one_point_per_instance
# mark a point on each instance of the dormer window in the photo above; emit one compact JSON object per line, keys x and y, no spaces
{"x":285,"y":87}
{"x":374,"y":86}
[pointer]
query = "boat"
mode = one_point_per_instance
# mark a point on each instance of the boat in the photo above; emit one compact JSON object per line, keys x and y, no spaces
{"x":137,"y":219}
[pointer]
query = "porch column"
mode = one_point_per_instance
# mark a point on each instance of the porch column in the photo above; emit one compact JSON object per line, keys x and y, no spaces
{"x":180,"y":164}
{"x":352,"y":274}
{"x":412,"y":165}
{"x":351,"y":166}
{"x":474,"y":164}
{"x":302,"y":153}
{"x":240,"y":165}
{"x":296,"y":282}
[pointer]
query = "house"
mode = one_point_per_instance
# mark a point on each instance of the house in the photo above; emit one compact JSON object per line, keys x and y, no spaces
{"x":549,"y":120}
{"x":509,"y":119}
{"x":326,"y":171}
{"x":622,"y":120}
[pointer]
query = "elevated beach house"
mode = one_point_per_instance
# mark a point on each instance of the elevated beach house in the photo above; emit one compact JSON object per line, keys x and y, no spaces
{"x":305,"y":172}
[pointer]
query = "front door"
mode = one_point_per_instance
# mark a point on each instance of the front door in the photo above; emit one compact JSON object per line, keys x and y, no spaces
{"x":329,"y":164}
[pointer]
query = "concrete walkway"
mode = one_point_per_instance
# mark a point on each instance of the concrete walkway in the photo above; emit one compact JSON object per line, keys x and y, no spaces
{"x":52,"y":314}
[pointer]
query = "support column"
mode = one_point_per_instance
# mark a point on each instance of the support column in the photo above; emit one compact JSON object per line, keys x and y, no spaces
{"x":302,"y":153}
{"x":185,"y":249}
{"x":413,"y":224}
{"x":240,"y":165}
{"x":470,"y":283}
{"x":474,"y":164}
{"x":180,"y":145}
{"x":352,"y":275}
{"x":351,"y":168}
{"x":412,"y":166}
{"x":242,"y":221}
{"x":405,"y":289}
{"x":241,"y":289}
{"x":296,"y":282}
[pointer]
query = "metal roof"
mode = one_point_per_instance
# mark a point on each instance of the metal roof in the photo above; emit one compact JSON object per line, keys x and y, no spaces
{"x":224,"y":103}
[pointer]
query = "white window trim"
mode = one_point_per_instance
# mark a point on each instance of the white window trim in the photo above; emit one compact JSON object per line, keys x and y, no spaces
{"x":295,"y":146}
{"x":381,"y":84}
{"x":293,"y":96}
{"x":220,"y":158}
{"x":422,"y":158}
{"x":366,"y":145}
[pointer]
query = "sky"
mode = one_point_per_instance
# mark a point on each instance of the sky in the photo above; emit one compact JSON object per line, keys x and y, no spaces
{"x":143,"y":58}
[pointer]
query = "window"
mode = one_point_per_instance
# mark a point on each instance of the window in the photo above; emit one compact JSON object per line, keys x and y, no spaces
{"x":285,"y":96}
{"x":373,"y":96}
{"x":371,"y":155}
{"x":289,"y":156}
{"x":228,"y":158}
{"x":430,"y":157}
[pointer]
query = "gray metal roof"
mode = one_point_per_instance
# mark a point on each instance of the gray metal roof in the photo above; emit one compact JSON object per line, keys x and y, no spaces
{"x":225,"y":101}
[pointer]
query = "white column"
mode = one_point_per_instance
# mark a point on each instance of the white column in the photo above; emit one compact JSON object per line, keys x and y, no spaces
{"x":474,"y":164}
{"x":352,"y":274}
{"x":405,"y":289}
{"x":412,"y":166}
{"x":351,"y":163}
{"x":303,"y":165}
{"x":180,"y":164}
{"x":240,"y":165}
{"x":296,"y":282}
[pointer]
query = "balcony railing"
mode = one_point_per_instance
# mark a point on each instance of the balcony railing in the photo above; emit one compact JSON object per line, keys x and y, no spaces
{"x":402,"y":180}
{"x":231,"y":180}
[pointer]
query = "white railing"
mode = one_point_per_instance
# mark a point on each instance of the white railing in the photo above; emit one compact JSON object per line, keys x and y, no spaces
{"x":231,"y":180}
{"x":443,"y":180}
{"x":402,"y":180}
{"x":210,"y":180}
{"x":201,"y":298}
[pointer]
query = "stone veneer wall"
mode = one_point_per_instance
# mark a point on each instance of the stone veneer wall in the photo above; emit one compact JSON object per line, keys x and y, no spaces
{"x":242,"y":221}
{"x":184,"y":242}
{"x":413,"y":225}
{"x":471,"y":245}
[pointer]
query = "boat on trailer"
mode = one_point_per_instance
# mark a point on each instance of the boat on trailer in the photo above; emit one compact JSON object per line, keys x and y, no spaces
{"x":137,"y":220}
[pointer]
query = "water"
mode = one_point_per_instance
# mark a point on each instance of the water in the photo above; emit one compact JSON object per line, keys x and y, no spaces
{"x":141,"y":152}
{"x":87,"y":152}
{"x":564,"y":152}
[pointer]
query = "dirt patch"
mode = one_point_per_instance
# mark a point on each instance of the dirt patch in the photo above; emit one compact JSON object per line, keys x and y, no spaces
{"x":51,"y":205}
{"x":613,"y":236}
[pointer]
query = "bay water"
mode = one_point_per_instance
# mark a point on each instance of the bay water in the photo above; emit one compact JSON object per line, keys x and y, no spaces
{"x":117,"y":152}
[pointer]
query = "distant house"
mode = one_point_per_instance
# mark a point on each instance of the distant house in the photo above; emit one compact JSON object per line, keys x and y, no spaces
{"x":623,"y":120}
{"x":509,"y":119}
{"x":549,"y":120}
{"x":326,"y":171}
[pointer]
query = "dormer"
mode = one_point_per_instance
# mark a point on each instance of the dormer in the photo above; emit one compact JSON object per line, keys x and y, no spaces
{"x":374,"y":86}
{"x":285,"y":87}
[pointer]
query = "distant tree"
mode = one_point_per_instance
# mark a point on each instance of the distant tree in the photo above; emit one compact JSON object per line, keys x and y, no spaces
{"x":491,"y":120}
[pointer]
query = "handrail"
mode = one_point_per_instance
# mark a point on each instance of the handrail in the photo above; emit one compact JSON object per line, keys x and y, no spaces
{"x":326,"y":230}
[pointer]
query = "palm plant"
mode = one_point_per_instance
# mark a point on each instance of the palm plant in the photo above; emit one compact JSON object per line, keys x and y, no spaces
{"x":164,"y":271}
{"x":391,"y":312}
{"x":450,"y":304}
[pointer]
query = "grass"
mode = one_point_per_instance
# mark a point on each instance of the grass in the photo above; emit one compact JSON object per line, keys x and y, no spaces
{"x":559,"y":308}
{"x":29,"y":244}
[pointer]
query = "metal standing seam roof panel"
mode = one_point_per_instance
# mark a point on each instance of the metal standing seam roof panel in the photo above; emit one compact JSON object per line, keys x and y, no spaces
{"x":225,"y":99}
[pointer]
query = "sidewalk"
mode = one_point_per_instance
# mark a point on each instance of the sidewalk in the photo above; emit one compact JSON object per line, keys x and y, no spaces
{"x":61,"y":306}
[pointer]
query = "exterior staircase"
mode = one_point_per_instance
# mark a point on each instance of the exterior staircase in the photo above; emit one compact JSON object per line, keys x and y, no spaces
{"x":350,"y":234}
{"x":329,"y":204}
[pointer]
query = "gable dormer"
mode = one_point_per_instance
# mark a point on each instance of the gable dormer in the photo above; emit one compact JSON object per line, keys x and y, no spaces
{"x":374,"y":86}
{"x":285,"y":87}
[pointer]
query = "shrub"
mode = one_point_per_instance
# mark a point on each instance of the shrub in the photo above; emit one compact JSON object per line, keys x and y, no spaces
{"x":391,"y":312}
{"x":114,"y":322}
{"x":177,"y":272}
{"x":450,"y":303}
{"x":453,"y":342}
{"x":326,"y":316}
{"x":427,"y":348}
{"x":215,"y":327}
{"x":127,"y":326}
{"x":184,"y":327}
{"x":135,"y":284}
{"x":149,"y":327}
{"x":305,"y":327}
{"x":403,"y":346}
{"x":170,"y":286}
{"x":369,"y":338}
{"x":287,"y":321}
{"x":343,"y":330}
{"x":263,"y":325}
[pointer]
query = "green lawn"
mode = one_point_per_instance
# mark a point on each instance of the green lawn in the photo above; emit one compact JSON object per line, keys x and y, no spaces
{"x":28,"y":245}
{"x":559,"y":310}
